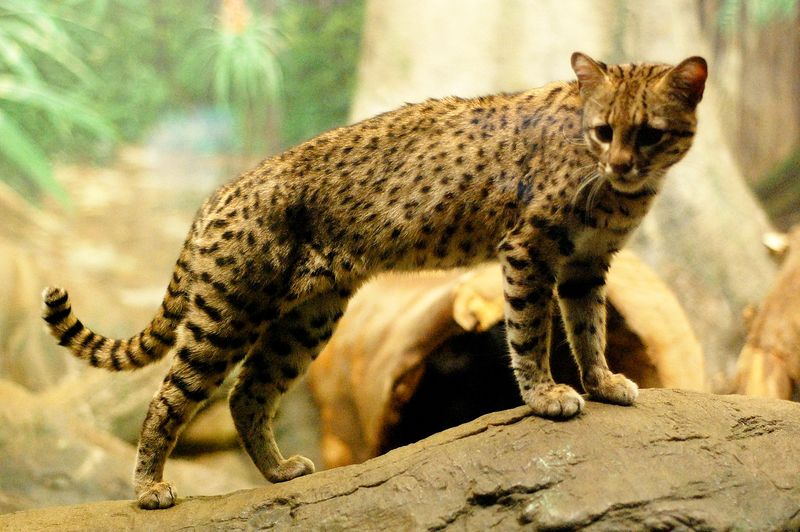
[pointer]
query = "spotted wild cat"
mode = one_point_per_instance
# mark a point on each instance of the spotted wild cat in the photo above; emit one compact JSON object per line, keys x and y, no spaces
{"x":552,"y":181}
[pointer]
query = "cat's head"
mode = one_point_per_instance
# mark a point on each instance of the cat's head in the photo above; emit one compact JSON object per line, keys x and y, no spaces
{"x":638,"y":120}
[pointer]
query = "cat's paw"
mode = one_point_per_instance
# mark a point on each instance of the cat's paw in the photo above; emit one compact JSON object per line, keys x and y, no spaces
{"x":612,"y":388}
{"x":293,"y":467}
{"x":159,"y":495}
{"x":551,"y":400}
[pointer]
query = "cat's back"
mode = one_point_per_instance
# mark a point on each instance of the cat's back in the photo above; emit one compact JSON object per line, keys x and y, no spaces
{"x":422,"y":157}
{"x":439,"y":126}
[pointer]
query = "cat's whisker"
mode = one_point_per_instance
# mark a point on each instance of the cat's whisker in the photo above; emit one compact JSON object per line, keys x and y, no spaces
{"x":595,"y":190}
{"x":585,"y":167}
{"x":574,"y":140}
{"x":586,"y":182}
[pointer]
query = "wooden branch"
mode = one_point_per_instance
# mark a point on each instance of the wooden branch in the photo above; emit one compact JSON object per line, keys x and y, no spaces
{"x":675,"y":460}
{"x":769,"y":364}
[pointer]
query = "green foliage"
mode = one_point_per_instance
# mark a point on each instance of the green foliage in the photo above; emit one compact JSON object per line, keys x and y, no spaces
{"x":136,"y":48}
{"x":78,"y":76}
{"x":779,"y":190}
{"x":320,"y":63}
{"x":760,"y":12}
{"x":237,"y":60}
{"x":43,"y":82}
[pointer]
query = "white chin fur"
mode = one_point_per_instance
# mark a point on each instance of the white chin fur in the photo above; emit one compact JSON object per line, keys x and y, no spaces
{"x":629,"y":184}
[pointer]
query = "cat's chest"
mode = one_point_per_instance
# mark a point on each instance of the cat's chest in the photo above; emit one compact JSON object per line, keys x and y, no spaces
{"x":598,"y":241}
{"x":606,"y":227}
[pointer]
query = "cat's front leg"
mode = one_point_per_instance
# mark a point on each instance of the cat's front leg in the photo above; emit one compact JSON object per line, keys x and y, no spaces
{"x":582,"y":298}
{"x":528,"y":311}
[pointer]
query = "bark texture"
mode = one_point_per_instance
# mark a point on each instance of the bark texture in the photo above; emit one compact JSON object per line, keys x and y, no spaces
{"x":675,"y":460}
{"x":769,"y":364}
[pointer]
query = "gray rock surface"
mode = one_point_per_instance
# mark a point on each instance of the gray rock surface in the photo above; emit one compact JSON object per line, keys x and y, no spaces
{"x":675,"y":460}
{"x":49,"y":456}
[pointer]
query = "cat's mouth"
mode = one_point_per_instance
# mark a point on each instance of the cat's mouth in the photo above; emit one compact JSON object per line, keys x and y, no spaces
{"x":627,"y":183}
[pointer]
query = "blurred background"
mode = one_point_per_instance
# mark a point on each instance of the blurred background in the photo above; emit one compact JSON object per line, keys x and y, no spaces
{"x":118,"y":117}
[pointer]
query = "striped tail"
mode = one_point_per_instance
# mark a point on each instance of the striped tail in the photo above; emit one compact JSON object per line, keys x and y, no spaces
{"x":137,"y":351}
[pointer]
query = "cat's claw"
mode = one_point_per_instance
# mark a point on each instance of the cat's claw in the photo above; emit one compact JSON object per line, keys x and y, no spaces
{"x":157,"y":496}
{"x":613,"y":388}
{"x":555,"y":401}
{"x":293,"y":467}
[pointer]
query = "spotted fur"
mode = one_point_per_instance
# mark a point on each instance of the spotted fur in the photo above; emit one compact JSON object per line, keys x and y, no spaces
{"x":551,"y":181}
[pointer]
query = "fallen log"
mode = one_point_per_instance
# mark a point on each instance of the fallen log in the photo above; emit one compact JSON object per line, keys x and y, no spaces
{"x":676,"y":459}
{"x":409,"y":342}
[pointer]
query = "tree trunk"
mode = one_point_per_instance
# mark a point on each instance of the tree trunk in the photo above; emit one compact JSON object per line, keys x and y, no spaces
{"x":704,"y":232}
{"x":757,"y":57}
{"x":663,"y":464}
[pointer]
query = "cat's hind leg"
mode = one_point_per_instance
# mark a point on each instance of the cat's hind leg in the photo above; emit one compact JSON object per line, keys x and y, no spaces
{"x":213,"y":336}
{"x":203,"y":357}
{"x":278,"y":358}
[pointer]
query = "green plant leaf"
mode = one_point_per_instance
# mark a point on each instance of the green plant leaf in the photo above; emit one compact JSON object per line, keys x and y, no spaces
{"x":62,"y":106}
{"x":15,"y":59}
{"x":40,"y":32}
{"x":244,"y":77}
{"x":19,"y":149}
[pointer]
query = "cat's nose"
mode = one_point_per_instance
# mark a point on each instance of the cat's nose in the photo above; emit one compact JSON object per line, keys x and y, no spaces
{"x":622,"y":167}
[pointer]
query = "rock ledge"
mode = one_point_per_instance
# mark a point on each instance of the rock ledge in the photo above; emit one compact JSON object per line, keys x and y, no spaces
{"x":676,"y":460}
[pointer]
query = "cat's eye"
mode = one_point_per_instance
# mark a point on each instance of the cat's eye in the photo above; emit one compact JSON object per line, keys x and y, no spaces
{"x":604,"y":133}
{"x":649,"y":136}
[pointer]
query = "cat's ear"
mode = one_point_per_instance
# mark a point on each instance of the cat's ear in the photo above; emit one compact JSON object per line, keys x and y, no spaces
{"x":591,"y":74}
{"x":687,"y":80}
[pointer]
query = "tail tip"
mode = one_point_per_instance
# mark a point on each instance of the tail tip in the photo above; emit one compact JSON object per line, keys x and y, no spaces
{"x":54,"y":296}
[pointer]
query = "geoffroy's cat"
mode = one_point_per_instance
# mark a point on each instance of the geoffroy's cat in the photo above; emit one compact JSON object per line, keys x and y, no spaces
{"x":550,"y":181}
